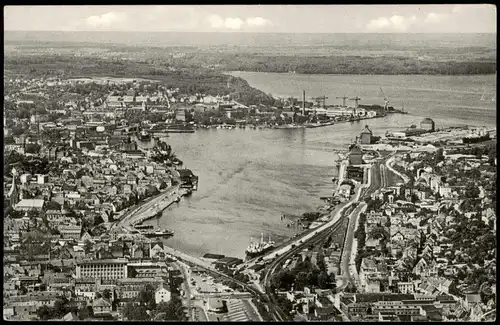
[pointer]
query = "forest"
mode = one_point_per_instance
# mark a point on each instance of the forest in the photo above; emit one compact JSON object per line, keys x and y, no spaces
{"x":378,"y":65}
{"x":189,"y":79}
{"x":375,"y":58}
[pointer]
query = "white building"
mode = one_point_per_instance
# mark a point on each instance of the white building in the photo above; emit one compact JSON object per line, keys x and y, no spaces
{"x":30,"y":204}
{"x":25,"y":178}
{"x":406,"y":287}
{"x":102,"y":269}
{"x":162,"y":295}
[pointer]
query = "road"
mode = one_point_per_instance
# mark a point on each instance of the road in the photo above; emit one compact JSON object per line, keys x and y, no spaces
{"x":376,"y":182}
{"x":147,"y":207}
{"x":388,"y":164}
{"x":193,"y":261}
{"x":277,"y":313}
{"x":335,"y":217}
{"x":347,"y":260}
{"x":186,"y":297}
{"x":319,"y":235}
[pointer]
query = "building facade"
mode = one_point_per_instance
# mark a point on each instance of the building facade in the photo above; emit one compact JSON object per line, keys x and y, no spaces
{"x":366,"y":136}
{"x":103,"y":269}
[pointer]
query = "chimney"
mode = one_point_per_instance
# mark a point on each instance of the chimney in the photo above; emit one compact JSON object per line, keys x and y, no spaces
{"x":303,"y":102}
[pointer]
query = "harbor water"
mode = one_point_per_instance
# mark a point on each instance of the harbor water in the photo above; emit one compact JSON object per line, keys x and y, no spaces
{"x":248,"y":178}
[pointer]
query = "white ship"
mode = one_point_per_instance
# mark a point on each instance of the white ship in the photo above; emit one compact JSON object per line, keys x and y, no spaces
{"x":256,"y":249}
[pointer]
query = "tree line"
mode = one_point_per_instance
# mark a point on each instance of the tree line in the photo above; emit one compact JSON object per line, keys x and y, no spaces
{"x":190,"y":79}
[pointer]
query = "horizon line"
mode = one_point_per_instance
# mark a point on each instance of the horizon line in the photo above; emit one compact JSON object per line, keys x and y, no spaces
{"x":240,"y":31}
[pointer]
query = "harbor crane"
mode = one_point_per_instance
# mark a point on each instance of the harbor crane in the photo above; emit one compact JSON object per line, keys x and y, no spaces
{"x":321,"y":101}
{"x":386,"y":100}
{"x":484,"y":94}
{"x":356,"y":101}
{"x":343,"y":100}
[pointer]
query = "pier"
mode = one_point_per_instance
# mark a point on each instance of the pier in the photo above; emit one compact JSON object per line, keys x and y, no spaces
{"x":152,"y":208}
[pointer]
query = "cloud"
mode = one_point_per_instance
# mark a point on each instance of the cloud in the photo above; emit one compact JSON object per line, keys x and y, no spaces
{"x":257,"y":21}
{"x":233,"y":23}
{"x":379,"y":23}
{"x":216,"y":21}
{"x":433,"y":18}
{"x":393,"y":23}
{"x":106,"y":20}
{"x":236,"y":23}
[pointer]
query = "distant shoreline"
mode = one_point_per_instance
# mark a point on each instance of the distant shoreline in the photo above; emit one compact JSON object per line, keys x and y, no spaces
{"x":356,"y":74}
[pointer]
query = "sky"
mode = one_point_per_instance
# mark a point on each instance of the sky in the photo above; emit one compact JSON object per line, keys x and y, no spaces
{"x":448,"y":18}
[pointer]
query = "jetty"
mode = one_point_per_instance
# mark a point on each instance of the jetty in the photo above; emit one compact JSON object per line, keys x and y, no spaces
{"x":158,"y":208}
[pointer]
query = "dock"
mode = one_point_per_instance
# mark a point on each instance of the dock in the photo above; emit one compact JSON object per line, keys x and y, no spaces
{"x":162,"y":205}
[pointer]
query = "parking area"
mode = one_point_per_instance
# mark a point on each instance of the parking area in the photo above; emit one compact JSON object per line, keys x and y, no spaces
{"x":238,"y":310}
{"x":201,"y":283}
{"x":199,"y":314}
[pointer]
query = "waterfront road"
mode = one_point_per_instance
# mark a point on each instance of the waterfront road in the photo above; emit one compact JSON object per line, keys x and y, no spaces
{"x":348,"y":255}
{"x":276,"y":264}
{"x":319,"y":235}
{"x":186,"y":297}
{"x":389,"y":163}
{"x":376,"y":181}
{"x":335,"y":217}
{"x":145,"y":208}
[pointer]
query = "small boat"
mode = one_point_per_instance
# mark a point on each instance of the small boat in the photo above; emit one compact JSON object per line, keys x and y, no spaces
{"x":158,"y":233}
{"x":144,"y":226}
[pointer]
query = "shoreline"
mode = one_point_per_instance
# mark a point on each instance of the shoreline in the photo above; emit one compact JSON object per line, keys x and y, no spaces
{"x":286,"y":126}
{"x":147,"y":210}
{"x":356,"y":74}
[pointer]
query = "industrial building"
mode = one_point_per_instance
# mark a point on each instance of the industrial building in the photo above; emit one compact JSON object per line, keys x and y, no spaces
{"x":428,"y":124}
{"x":366,"y":136}
{"x":355,"y":156}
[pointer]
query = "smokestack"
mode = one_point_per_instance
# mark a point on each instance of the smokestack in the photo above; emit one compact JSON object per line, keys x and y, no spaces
{"x":303,"y":102}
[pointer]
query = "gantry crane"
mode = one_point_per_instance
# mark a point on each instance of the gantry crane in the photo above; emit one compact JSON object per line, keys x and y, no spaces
{"x":386,"y":100}
{"x":343,"y":100}
{"x":356,"y":101}
{"x":321,"y":101}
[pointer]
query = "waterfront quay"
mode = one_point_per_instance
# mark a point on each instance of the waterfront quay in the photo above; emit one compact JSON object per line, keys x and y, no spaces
{"x":151,"y":208}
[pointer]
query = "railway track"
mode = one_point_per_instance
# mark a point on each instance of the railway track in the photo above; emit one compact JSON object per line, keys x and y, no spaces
{"x":377,"y":181}
{"x":319,"y":239}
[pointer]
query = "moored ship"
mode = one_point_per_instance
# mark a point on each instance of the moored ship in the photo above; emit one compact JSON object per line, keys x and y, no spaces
{"x":142,"y":227}
{"x":476,"y":137}
{"x":158,"y":233}
{"x":179,"y":128}
{"x":257,"y":249}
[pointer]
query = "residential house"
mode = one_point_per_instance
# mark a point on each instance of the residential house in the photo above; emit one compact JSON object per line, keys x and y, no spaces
{"x":101,"y":307}
{"x":406,"y":287}
{"x":70,"y":231}
{"x":156,"y":249}
{"x":162,"y":294}
{"x":425,"y":268}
